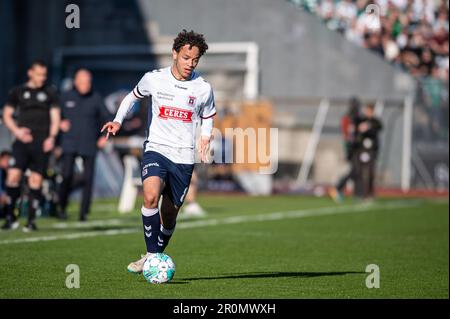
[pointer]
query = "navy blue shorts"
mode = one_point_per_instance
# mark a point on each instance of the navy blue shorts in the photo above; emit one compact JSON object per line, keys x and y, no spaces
{"x":176,"y":177}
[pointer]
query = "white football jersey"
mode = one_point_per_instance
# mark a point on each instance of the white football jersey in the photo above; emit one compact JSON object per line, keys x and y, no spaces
{"x":177,"y":107}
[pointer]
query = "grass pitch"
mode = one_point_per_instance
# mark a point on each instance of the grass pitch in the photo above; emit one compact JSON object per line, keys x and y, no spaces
{"x":247,"y":247}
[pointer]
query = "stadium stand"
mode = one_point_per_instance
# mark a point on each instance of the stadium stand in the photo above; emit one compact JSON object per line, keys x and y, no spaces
{"x":411,"y":34}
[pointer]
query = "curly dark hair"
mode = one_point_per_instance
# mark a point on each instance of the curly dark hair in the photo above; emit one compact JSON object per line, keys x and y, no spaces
{"x":191,"y":38}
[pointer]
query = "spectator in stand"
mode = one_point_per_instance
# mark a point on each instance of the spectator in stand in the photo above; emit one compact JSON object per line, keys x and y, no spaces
{"x":373,"y":43}
{"x":326,"y":10}
{"x":346,"y":12}
{"x":412,"y":34}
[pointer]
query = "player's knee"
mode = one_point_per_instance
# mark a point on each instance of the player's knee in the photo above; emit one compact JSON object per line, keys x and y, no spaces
{"x":150,"y":199}
{"x":35,"y":181}
{"x":12,"y":182}
{"x":13,"y":178}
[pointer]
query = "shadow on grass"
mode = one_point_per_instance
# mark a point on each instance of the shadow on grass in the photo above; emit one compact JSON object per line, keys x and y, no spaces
{"x":274,"y":275}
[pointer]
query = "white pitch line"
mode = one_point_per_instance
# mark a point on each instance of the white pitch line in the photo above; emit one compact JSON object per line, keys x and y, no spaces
{"x":110,"y":232}
{"x":333,"y":210}
{"x":87,"y":224}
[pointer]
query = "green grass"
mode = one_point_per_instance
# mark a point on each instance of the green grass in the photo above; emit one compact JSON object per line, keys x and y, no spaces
{"x":316,"y":256}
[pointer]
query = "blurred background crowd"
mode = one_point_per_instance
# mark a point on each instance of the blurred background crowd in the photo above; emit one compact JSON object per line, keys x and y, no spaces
{"x":410,"y":34}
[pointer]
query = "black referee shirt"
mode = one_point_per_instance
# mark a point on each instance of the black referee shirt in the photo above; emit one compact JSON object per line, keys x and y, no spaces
{"x":32,"y":108}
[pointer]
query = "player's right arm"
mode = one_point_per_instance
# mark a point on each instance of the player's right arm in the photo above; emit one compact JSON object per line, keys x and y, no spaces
{"x":141,"y":90}
{"x":21,"y":133}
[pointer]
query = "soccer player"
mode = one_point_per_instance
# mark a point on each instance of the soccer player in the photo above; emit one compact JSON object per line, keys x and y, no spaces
{"x":38,"y":117}
{"x":180,"y":99}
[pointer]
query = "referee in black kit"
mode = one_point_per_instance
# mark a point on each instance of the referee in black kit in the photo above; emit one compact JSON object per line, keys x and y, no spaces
{"x":83,"y":112}
{"x":38,"y":116}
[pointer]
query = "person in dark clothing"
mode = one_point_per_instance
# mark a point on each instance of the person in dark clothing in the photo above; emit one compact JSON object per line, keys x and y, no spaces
{"x":83,"y":111}
{"x":36,"y":127}
{"x":366,"y":151}
{"x":348,"y":133}
{"x":5,"y":157}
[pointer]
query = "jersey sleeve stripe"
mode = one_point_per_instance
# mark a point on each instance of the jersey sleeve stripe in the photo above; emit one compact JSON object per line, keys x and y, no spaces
{"x":207,"y":117}
{"x":136,"y":94}
{"x":139,"y":92}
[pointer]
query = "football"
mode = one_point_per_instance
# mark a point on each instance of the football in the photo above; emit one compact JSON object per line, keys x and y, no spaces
{"x":159,"y":268}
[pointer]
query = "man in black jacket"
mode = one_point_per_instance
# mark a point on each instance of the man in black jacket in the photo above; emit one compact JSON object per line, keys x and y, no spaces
{"x":366,"y":150}
{"x":83,"y":112}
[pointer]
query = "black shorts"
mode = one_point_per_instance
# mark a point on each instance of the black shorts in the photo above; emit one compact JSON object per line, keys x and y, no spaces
{"x":30,"y":155}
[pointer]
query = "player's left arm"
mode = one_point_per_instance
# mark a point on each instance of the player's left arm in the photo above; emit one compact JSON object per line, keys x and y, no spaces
{"x":208,"y":113}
